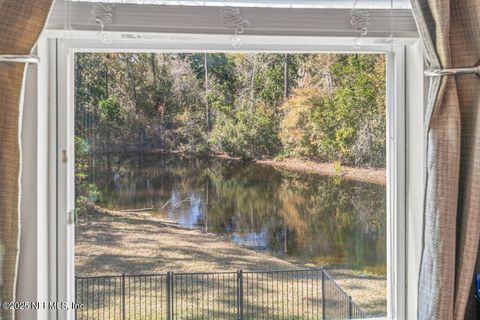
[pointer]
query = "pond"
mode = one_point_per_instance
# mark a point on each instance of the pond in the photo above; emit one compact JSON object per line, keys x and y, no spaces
{"x":311,"y":219}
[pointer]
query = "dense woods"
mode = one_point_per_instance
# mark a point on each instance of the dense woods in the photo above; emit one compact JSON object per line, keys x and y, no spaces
{"x":327,"y":107}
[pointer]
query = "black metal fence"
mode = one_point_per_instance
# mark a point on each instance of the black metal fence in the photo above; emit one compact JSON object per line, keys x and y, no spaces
{"x":290,"y":294}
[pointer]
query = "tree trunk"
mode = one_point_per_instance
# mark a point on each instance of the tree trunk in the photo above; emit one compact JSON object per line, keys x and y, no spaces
{"x":154,"y":74}
{"x":131,"y":79}
{"x":252,"y":84}
{"x":207,"y":200}
{"x":105,"y":64}
{"x":207,"y":107}
{"x":285,"y":77}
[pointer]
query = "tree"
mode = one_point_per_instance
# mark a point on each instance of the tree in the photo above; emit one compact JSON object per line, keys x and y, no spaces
{"x":357,"y":100}
{"x":324,"y":106}
{"x":296,"y":129}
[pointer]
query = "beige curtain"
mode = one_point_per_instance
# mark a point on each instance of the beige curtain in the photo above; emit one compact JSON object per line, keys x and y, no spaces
{"x":450,"y":30}
{"x":21,"y":22}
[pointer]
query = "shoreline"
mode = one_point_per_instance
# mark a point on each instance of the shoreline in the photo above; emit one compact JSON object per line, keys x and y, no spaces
{"x":368,"y":175}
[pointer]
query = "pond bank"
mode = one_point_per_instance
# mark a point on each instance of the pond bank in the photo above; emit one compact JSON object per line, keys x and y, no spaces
{"x":370,"y":175}
{"x":112,"y":242}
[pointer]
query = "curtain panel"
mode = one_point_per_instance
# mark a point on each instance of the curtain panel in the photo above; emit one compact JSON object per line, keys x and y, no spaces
{"x":450,"y":30}
{"x":21,"y":22}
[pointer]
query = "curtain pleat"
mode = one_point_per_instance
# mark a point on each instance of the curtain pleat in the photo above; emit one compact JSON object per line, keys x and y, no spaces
{"x":450,"y":30}
{"x":21,"y":22}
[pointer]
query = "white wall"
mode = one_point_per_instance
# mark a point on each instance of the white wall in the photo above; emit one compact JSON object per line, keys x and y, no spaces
{"x":33,"y":274}
{"x":416,"y":91}
{"x":27,"y":287}
{"x":36,"y":282}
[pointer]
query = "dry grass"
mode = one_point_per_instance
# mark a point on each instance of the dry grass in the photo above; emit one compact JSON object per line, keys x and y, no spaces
{"x":135,"y":243}
{"x":110,"y":243}
{"x":368,"y":292}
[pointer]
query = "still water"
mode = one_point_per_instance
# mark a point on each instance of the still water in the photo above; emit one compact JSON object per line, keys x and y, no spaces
{"x":312,"y":219}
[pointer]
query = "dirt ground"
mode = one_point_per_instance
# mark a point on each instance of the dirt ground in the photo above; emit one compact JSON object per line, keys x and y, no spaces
{"x":110,"y":243}
{"x":371,"y":175}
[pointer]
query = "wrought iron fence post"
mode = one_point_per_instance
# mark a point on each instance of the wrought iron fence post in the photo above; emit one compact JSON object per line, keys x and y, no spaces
{"x":123,"y":297}
{"x":340,"y":303}
{"x":239,"y":294}
{"x":323,"y":294}
{"x":350,"y":307}
{"x":169,"y":295}
{"x":76,"y":297}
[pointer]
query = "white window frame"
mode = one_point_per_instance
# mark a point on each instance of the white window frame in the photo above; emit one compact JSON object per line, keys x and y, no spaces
{"x":58,"y":47}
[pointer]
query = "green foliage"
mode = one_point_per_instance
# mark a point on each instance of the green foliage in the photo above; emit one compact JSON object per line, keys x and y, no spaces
{"x":218,"y":100}
{"x":110,"y":110}
{"x":171,"y":101}
{"x":269,"y":79}
{"x":337,"y":166}
{"x":247,"y":135}
{"x":81,"y":176}
{"x":356,"y":100}
{"x":347,"y":125}
{"x":84,"y":191}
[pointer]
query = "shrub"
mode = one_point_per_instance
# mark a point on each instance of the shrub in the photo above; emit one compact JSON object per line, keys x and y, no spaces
{"x":110,"y":110}
{"x":350,"y":125}
{"x":81,"y":175}
{"x":247,"y":135}
{"x":84,"y":191}
{"x":296,"y":130}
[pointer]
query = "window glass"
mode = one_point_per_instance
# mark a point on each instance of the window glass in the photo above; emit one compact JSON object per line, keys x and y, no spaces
{"x":194,"y":163}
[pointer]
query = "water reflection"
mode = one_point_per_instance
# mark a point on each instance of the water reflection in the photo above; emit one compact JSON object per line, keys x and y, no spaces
{"x":315,"y":219}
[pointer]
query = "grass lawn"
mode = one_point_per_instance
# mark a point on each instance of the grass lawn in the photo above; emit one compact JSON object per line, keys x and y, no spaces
{"x":110,"y":243}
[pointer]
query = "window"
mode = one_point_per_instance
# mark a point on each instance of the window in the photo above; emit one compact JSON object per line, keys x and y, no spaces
{"x":172,"y":137}
{"x":60,"y":54}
